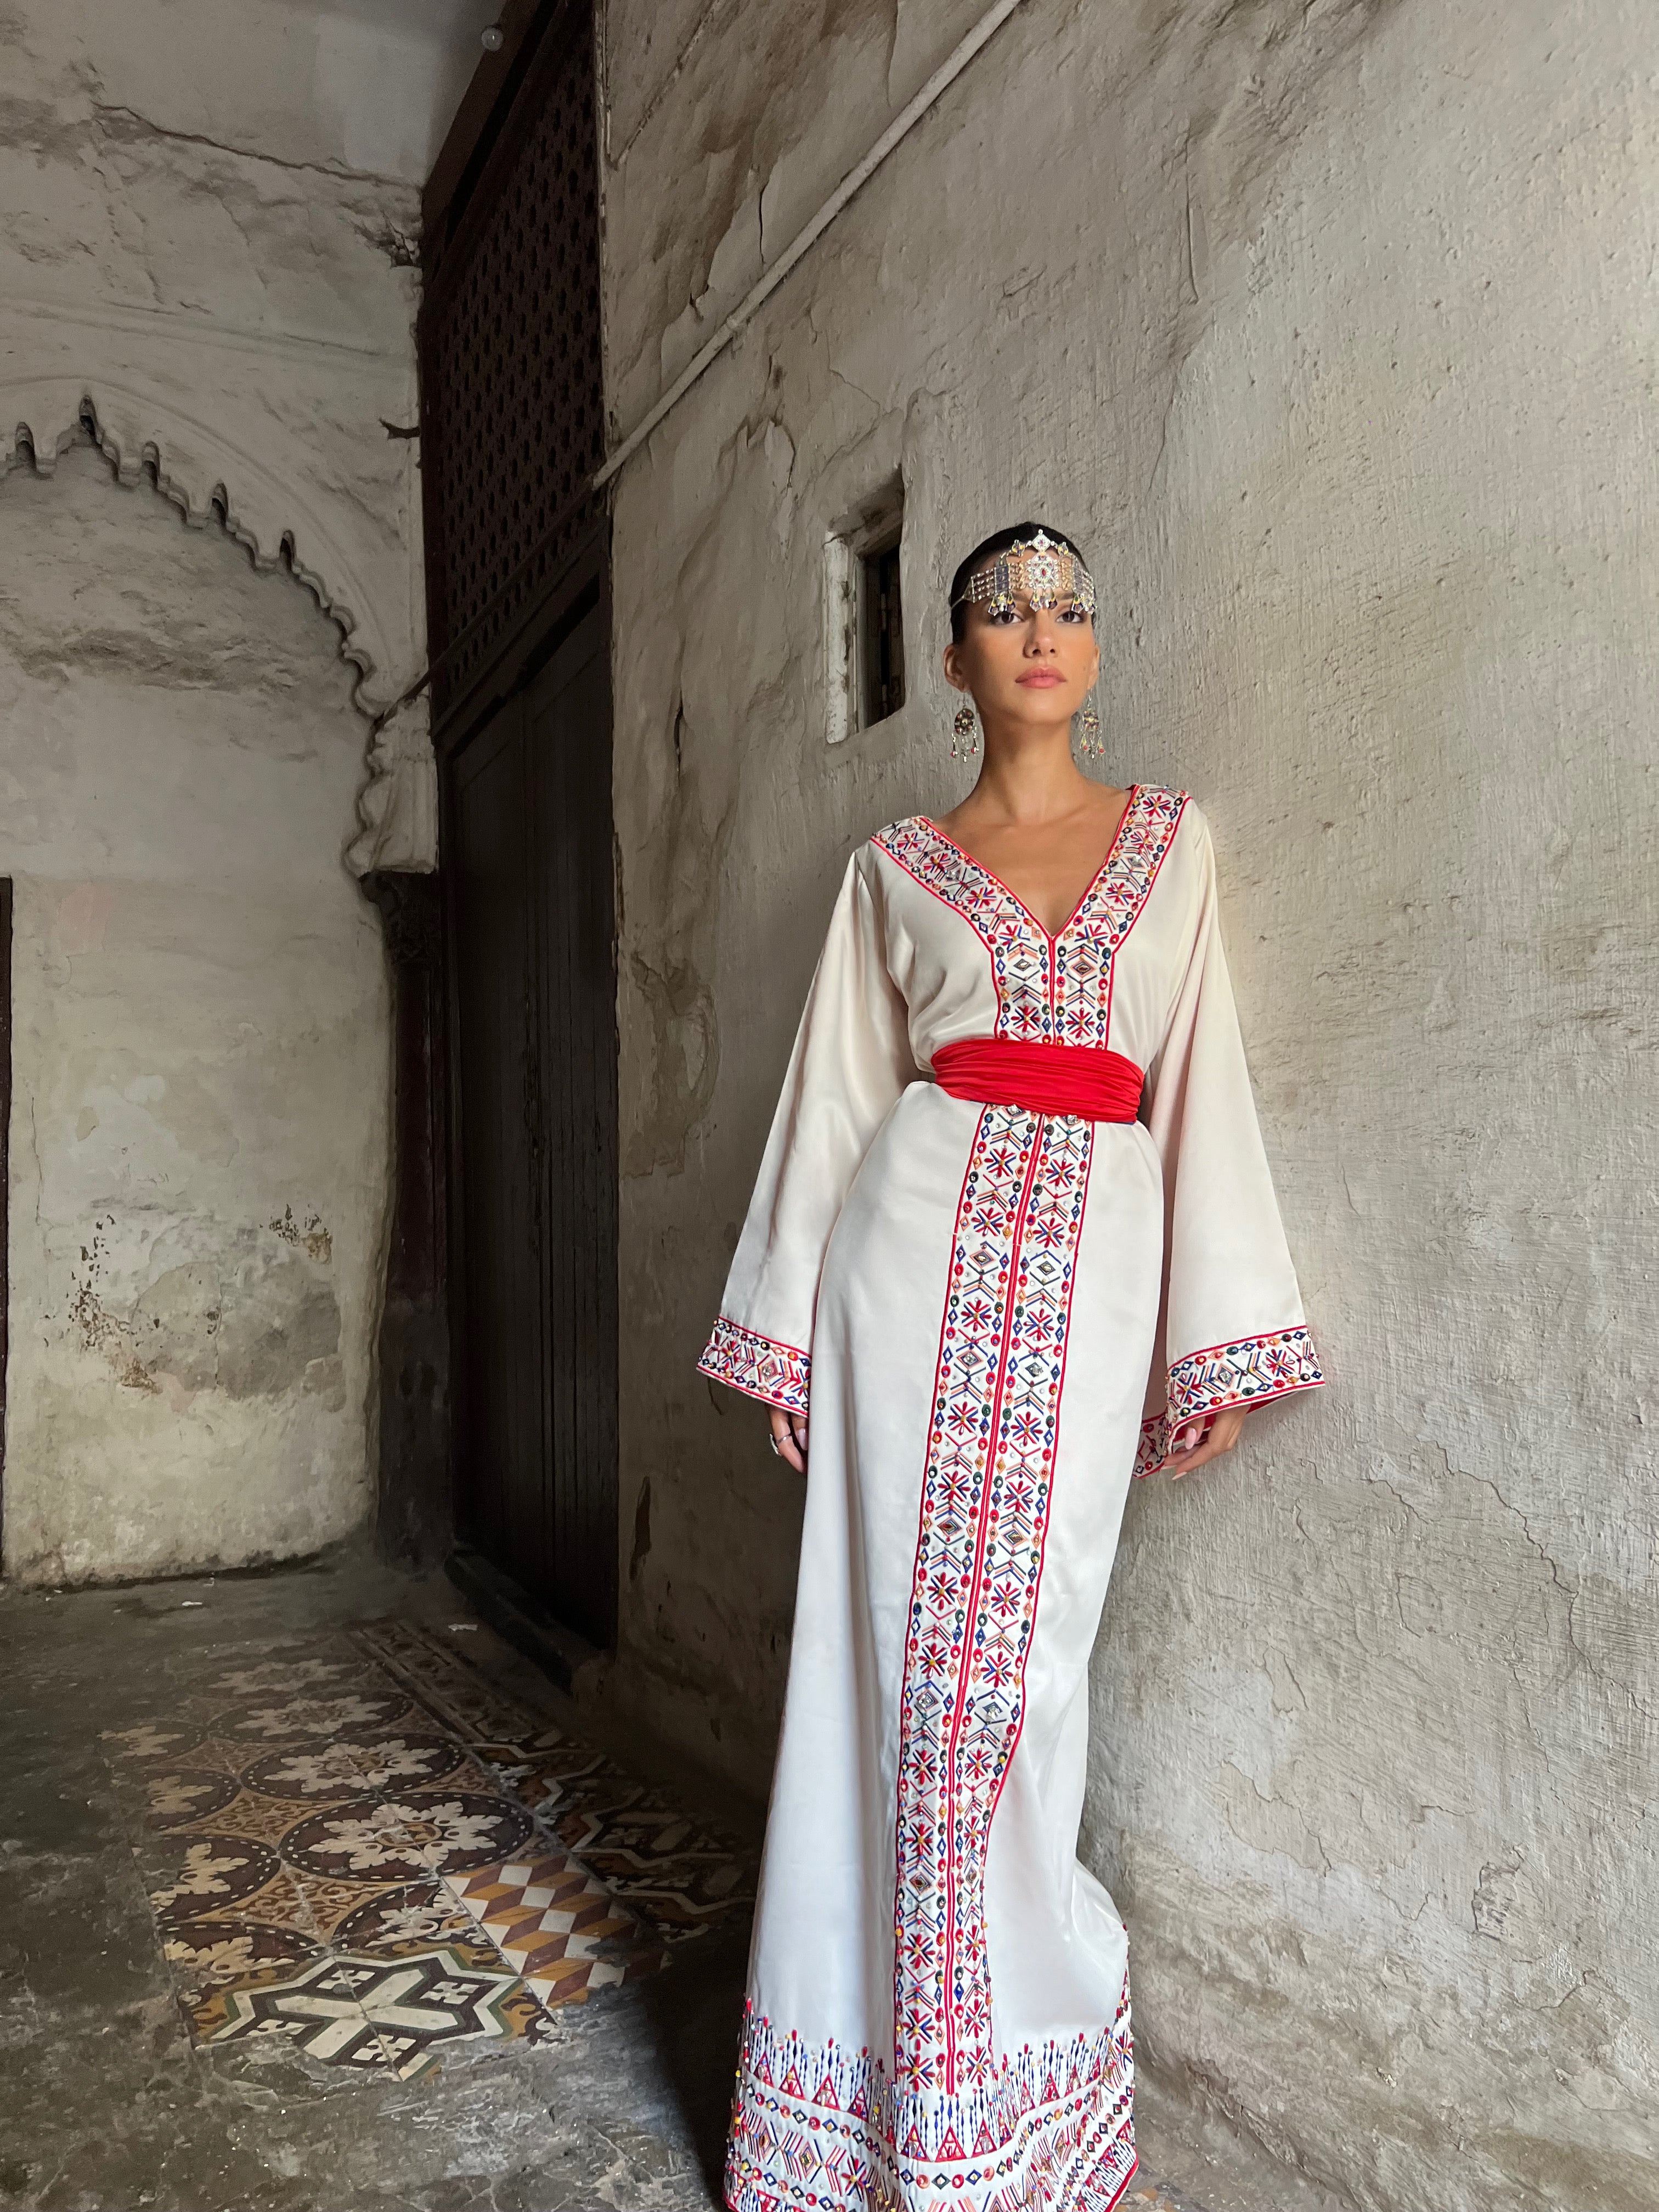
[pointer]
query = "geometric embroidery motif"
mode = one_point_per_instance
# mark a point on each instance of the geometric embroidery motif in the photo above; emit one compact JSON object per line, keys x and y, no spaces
{"x":779,"y":1373}
{"x":1246,"y":1372}
{"x":1020,"y":948}
{"x":984,"y":1517}
{"x":817,"y":2128}
{"x":1054,"y":990}
{"x":1085,"y":948}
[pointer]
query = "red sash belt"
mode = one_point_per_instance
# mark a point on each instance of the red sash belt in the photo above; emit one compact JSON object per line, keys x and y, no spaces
{"x":1044,"y":1079}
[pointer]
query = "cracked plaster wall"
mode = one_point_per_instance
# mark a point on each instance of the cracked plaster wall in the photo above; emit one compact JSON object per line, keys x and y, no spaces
{"x":199,"y":1181}
{"x":210,"y":235}
{"x":211,"y":232}
{"x":1329,"y":329}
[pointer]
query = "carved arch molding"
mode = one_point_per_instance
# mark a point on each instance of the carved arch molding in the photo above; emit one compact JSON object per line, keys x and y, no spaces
{"x":344,"y":540}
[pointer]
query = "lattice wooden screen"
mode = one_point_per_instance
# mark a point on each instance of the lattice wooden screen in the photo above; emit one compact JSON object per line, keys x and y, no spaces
{"x":513,"y":419}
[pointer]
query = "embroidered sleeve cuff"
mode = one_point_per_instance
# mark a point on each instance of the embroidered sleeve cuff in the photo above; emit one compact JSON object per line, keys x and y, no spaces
{"x":777,"y":1374}
{"x":1151,"y":1451}
{"x":1248,"y":1371}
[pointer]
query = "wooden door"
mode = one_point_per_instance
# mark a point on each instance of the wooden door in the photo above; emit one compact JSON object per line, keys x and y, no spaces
{"x":535,"y":1049}
{"x":567,"y":739}
{"x":512,"y":434}
{"x":498,"y":1445}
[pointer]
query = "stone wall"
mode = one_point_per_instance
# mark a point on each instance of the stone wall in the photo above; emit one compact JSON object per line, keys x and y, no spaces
{"x":208,"y":259}
{"x":1329,"y":331}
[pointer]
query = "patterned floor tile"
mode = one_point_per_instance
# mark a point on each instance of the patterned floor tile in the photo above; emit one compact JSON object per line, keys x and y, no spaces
{"x":207,"y":1954}
{"x":397,"y":1838}
{"x":249,"y":1812}
{"x":329,"y":1904}
{"x":298,"y":1672}
{"x":366,"y":1849}
{"x":151,"y":1742}
{"x":317,"y":2012}
{"x":476,"y":1710}
{"x":187,"y":1796}
{"x":395,"y":1922}
{"x":334,"y":1715}
{"x":308,"y":1774}
{"x":559,"y":1927}
{"x":216,"y":1931}
{"x":214,"y":1874}
{"x":546,"y":1765}
{"x":677,"y":1880}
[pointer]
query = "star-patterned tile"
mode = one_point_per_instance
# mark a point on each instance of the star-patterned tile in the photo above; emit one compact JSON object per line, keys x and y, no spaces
{"x":363,"y":1847}
{"x":375,"y":2013}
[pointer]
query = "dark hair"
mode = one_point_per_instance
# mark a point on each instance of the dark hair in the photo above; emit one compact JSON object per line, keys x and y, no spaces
{"x":988,"y":551}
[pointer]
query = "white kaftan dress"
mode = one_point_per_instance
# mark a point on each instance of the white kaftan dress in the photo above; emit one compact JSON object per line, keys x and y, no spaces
{"x":974,"y":1296}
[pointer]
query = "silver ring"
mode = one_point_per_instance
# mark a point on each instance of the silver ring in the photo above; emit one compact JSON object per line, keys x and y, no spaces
{"x":772,"y":1441}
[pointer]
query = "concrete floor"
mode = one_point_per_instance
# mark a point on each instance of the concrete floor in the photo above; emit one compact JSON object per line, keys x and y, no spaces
{"x":104,"y":2102}
{"x":107,"y":2106}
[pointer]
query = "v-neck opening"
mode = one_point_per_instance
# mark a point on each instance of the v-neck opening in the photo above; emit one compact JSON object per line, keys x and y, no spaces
{"x":1054,"y":936}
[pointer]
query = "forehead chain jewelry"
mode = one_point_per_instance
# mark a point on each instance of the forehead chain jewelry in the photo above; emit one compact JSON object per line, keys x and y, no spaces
{"x":1038,"y":570}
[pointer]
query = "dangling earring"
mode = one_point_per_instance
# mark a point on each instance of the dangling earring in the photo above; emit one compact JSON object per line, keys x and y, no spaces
{"x":1089,"y":722}
{"x":964,"y":742}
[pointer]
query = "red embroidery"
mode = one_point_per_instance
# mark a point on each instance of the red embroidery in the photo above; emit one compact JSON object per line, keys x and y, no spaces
{"x":1087,"y":948}
{"x":1049,"y":989}
{"x":983,"y":1519}
{"x":818,"y":2128}
{"x":1019,"y":946}
{"x":1248,"y":1371}
{"x":1153,"y":1446}
{"x":779,"y":1373}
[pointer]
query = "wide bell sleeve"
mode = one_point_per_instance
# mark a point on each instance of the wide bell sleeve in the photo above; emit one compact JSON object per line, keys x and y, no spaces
{"x":1232,"y":1330}
{"x":851,"y":1063}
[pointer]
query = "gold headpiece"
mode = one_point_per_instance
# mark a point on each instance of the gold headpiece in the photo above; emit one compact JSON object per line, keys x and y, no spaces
{"x":1042,"y":572}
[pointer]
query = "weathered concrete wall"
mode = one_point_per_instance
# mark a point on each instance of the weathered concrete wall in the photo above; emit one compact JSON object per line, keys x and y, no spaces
{"x":211,"y":233}
{"x":208,"y":240}
{"x":1329,"y":330}
{"x":198,"y":1181}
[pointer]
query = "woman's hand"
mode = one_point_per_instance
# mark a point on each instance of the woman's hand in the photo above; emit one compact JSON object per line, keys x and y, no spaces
{"x":1192,"y":1445}
{"x":789,"y":1438}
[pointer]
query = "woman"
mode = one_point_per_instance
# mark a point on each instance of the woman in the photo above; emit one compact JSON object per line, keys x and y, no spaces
{"x":1015,"y":1171}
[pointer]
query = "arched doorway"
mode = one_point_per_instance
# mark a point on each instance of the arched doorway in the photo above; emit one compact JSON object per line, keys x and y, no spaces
{"x":200,"y":1045}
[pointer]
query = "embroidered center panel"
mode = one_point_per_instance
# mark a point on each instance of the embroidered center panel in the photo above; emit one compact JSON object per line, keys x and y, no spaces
{"x":818,"y":2128}
{"x":1053,"y":990}
{"x":984,"y":1515}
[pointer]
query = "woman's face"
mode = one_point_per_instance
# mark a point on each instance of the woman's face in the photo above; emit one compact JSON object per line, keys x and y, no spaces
{"x":1025,"y":663}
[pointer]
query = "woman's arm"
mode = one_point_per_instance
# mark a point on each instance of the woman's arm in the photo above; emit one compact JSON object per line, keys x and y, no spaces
{"x":851,"y":1063}
{"x":1233,"y":1332}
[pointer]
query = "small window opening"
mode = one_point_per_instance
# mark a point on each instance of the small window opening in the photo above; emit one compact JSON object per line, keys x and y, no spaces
{"x":881,"y":624}
{"x":865,"y":616}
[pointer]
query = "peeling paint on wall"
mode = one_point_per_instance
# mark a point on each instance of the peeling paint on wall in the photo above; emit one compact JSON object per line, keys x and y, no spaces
{"x":313,"y":1239}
